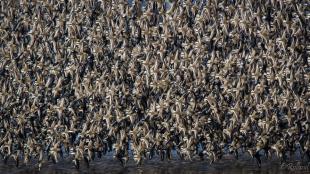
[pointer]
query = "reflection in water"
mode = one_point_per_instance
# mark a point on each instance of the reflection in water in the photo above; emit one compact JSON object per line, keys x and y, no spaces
{"x":228,"y":165}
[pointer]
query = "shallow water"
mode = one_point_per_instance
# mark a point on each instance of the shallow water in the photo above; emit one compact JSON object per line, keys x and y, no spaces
{"x":227,"y":165}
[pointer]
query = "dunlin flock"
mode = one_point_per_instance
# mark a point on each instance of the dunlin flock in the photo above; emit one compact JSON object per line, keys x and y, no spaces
{"x":140,"y":79}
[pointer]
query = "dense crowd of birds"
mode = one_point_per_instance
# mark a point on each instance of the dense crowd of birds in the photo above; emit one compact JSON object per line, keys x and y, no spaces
{"x":142,"y":79}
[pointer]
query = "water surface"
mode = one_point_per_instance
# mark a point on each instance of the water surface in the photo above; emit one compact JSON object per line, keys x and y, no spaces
{"x":227,"y":165}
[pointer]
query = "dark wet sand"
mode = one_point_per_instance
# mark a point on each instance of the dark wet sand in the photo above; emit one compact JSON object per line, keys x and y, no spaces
{"x":227,"y":165}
